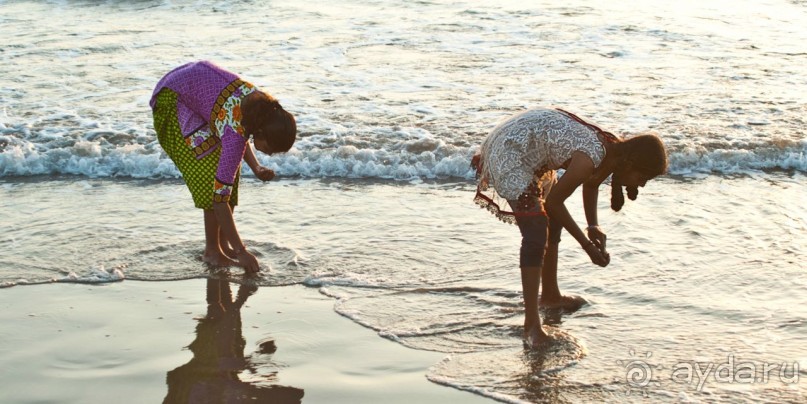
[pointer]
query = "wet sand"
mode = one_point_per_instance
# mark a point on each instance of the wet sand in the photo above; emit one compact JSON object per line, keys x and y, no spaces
{"x":147,"y":341}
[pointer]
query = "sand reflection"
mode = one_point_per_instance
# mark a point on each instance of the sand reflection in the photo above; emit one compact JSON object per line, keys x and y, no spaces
{"x":214,"y":374}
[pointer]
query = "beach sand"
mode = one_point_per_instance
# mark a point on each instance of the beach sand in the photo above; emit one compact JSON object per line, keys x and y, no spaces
{"x":76,"y":343}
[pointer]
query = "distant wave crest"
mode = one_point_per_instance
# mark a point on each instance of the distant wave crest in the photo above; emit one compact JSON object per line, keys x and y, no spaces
{"x":106,"y":153}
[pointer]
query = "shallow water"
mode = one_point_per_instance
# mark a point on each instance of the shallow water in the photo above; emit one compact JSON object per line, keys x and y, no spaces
{"x":423,"y":266}
{"x":706,"y":267}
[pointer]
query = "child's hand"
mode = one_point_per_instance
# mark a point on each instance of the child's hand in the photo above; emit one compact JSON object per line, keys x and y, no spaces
{"x":597,"y":236}
{"x":596,"y":255}
{"x":264,"y":174}
{"x":476,"y":163}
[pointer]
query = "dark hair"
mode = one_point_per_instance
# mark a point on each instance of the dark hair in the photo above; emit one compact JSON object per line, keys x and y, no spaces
{"x":265,"y":118}
{"x":645,"y":154}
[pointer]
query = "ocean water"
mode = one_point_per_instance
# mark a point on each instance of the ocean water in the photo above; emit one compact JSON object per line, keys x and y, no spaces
{"x":702,"y":300}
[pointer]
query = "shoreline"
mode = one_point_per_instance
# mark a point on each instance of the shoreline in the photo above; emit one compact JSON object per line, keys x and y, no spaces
{"x":101,"y":343}
{"x":690,"y":176}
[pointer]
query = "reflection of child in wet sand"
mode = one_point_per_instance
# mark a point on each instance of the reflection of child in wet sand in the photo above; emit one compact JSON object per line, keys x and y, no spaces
{"x":211,"y":376}
{"x":204,"y":117}
{"x":517,"y":164}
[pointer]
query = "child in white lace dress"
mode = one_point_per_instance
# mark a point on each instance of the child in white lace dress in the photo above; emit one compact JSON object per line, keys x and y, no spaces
{"x":517,"y":182}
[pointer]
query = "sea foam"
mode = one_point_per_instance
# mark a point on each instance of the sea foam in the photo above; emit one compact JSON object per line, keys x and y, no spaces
{"x":95,"y":160}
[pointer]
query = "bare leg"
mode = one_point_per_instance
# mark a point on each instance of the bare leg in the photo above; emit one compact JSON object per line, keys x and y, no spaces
{"x":549,"y":273}
{"x":550,"y":292}
{"x":213,"y":254}
{"x":530,"y":279}
{"x":228,"y":250}
{"x":533,"y":243}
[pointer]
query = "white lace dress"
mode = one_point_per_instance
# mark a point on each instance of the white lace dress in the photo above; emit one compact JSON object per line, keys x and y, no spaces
{"x":520,"y":156}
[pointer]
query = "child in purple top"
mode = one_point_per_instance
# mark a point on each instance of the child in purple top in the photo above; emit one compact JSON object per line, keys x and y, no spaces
{"x":204,"y":117}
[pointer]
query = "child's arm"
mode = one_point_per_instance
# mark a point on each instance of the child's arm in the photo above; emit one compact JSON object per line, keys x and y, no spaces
{"x":249,"y":157}
{"x":263,"y":173}
{"x":580,"y":169}
{"x":595,"y":234}
{"x":233,"y":149}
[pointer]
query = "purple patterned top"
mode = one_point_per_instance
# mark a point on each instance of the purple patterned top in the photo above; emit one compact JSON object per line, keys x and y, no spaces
{"x":208,"y":110}
{"x":197,"y":85}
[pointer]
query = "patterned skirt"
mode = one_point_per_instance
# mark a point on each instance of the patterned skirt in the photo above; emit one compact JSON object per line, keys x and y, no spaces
{"x":199,"y":175}
{"x":529,"y":203}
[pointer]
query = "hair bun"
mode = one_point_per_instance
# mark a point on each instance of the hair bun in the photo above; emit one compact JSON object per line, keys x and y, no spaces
{"x":633,"y":192}
{"x":617,"y":198}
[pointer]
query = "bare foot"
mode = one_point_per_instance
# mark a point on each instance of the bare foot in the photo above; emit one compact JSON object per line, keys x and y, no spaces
{"x":217,"y":259}
{"x":566,"y":303}
{"x":535,"y":337}
{"x":229,"y":252}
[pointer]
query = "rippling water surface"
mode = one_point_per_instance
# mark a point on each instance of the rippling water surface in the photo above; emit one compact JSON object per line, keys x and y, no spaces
{"x":703,"y":270}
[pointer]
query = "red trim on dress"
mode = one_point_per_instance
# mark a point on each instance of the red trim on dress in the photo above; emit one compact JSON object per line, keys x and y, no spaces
{"x":510,"y":217}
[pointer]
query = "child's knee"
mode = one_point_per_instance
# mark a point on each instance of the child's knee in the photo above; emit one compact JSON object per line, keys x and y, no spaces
{"x":533,"y":240}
